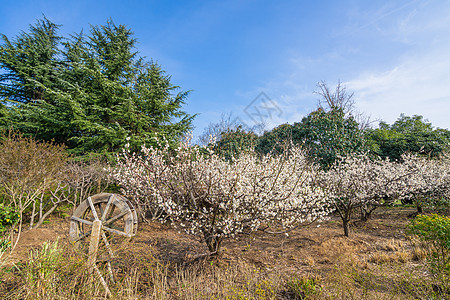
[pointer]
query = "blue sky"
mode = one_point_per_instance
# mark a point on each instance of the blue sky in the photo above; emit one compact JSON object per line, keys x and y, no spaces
{"x":394,"y":55}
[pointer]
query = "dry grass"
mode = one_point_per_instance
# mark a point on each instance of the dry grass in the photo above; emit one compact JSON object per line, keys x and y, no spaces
{"x":312,"y":263}
{"x":395,"y":257}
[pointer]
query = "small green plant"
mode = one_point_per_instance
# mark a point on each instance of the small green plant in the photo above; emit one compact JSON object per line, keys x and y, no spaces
{"x":305,"y":287}
{"x":42,"y":271}
{"x":434,"y":229}
{"x":4,"y":245}
{"x":441,"y":205}
{"x":8,"y":217}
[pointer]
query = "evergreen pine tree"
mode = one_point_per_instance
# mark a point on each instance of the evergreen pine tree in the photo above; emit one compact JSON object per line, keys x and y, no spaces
{"x":89,"y":92}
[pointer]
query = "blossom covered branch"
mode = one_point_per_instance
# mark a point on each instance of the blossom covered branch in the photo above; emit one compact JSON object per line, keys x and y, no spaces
{"x":217,"y":198}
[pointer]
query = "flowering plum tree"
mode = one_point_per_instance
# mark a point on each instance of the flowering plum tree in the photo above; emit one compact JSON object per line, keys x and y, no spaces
{"x":357,"y":181}
{"x":217,"y":198}
{"x":430,"y":180}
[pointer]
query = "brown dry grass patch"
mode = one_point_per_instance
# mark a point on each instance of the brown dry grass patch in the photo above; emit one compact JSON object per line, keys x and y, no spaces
{"x":378,"y":261}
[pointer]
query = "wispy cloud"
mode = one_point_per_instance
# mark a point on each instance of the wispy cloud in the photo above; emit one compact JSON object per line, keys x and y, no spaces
{"x":270,"y":110}
{"x":416,"y":81}
{"x":417,"y":85}
{"x":386,"y":11}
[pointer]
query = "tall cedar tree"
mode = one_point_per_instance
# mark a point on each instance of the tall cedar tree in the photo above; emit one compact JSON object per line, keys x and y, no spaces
{"x":29,"y":61}
{"x":89,"y":92}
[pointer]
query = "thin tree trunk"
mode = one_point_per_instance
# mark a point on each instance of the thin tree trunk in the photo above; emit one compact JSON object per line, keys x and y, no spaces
{"x":213,"y":242}
{"x":42,"y":218}
{"x":33,"y":212}
{"x":419,"y":209}
{"x":18,"y":233}
{"x":40,"y":206}
{"x":346,"y":227}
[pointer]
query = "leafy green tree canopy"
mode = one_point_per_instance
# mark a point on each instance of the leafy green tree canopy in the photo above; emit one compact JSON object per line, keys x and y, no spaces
{"x":275,"y":140}
{"x":408,"y":134}
{"x":90,"y":92}
{"x":233,"y":142}
{"x":328,"y":132}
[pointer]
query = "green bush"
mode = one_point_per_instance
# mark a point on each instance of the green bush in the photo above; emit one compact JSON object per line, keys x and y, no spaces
{"x":4,"y":244}
{"x":8,"y":217}
{"x":440,"y":205}
{"x":435,"y":229}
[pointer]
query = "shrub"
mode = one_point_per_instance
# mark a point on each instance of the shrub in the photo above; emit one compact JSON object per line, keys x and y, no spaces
{"x":305,"y":287}
{"x":85,"y":178}
{"x":54,"y":271}
{"x":28,"y":170}
{"x":41,"y":272}
{"x":8,"y":218}
{"x":435,"y":229}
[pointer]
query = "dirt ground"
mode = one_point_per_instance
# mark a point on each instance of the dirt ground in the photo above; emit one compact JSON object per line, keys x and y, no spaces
{"x":315,"y":247}
{"x":377,"y":254}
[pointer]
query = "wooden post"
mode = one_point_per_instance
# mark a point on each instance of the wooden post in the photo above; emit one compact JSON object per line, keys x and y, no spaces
{"x":93,"y":245}
{"x":93,"y":248}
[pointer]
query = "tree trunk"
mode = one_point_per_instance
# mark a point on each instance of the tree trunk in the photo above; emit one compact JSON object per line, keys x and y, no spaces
{"x":42,"y":218}
{"x":366,"y":213}
{"x":213,"y":241}
{"x":346,"y":217}
{"x":419,"y":209}
{"x":345,"y":223}
{"x":33,"y":213}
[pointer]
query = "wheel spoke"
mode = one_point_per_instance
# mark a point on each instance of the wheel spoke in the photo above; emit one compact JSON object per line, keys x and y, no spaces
{"x":113,"y":226}
{"x":94,"y":212}
{"x":116,"y":217}
{"x":105,"y":213}
{"x":116,"y":231}
{"x":81,"y":220}
{"x":111,"y":212}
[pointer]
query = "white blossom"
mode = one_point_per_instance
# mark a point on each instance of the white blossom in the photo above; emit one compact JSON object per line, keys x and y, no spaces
{"x":216,"y":198}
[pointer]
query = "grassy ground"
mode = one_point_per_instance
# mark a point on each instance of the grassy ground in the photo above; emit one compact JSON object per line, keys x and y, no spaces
{"x":378,"y":261}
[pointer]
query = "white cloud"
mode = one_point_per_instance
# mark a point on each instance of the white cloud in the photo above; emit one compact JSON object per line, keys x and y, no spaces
{"x":418,"y":85}
{"x":395,"y":54}
{"x":415,"y":78}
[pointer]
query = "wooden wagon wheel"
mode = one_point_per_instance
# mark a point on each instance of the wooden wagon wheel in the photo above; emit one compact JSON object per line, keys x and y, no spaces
{"x":107,"y":217}
{"x":115,"y":212}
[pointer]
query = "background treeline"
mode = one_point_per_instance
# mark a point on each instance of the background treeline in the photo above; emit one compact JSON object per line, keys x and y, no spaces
{"x":92,"y":91}
{"x":329,"y":132}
